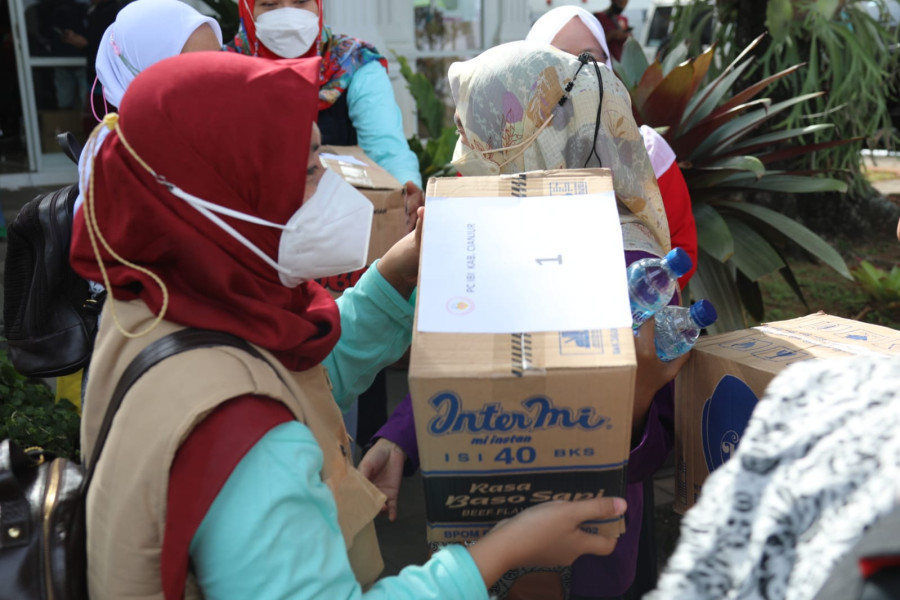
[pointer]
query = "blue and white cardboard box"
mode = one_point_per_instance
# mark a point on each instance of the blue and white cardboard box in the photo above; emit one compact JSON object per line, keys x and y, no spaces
{"x":506,"y":421}
{"x":727,"y":374}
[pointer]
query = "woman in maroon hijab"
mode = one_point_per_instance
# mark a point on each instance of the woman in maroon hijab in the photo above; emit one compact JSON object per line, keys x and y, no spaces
{"x":225,"y":475}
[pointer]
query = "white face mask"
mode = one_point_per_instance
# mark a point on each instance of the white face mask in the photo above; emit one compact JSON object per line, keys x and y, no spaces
{"x":328,"y":235}
{"x":288,"y":32}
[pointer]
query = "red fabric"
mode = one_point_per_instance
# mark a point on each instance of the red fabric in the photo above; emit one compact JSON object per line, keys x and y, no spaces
{"x":245,"y":10}
{"x":610,"y":23}
{"x":871,"y":565}
{"x":201,"y":467}
{"x":235,"y":131}
{"x":682,"y":229}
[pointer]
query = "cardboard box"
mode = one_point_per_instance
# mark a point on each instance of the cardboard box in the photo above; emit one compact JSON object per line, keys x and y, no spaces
{"x":386,"y":194}
{"x":505,"y":421}
{"x":54,"y":122}
{"x":719,"y":386}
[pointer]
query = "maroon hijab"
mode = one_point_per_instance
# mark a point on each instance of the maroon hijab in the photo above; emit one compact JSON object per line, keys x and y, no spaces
{"x":234,"y":131}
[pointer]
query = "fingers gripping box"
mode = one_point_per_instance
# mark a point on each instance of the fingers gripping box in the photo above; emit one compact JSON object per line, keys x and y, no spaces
{"x":727,"y":374}
{"x":383,"y":191}
{"x":509,"y":420}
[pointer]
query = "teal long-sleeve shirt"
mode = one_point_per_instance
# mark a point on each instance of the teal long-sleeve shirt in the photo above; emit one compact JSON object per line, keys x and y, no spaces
{"x":272,"y":532}
{"x":376,"y":329}
{"x":378,"y":121}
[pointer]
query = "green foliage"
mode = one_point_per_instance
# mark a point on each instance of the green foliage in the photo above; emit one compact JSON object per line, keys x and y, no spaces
{"x":714,"y":131}
{"x":883,"y":287}
{"x":848,"y":54}
{"x":436,"y":153}
{"x":30,"y":416}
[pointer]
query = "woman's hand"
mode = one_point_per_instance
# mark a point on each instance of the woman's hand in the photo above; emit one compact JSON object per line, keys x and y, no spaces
{"x":652,"y":374}
{"x":547,"y":534}
{"x":383,"y":466}
{"x":400,"y":264}
{"x":415,"y":199}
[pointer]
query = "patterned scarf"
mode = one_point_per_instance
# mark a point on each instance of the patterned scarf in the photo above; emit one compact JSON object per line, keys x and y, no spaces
{"x":342,"y":55}
{"x":505,"y":95}
{"x":818,"y":464}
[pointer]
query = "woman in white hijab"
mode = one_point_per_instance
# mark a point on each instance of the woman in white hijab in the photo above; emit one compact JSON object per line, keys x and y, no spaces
{"x":146,"y":32}
{"x":571,"y":29}
{"x":574,"y":30}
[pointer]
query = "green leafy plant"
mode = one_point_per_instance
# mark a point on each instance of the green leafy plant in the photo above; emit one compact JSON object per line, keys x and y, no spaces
{"x":437,"y":150}
{"x":882,"y":286}
{"x":848,"y":53}
{"x":714,"y":132}
{"x":30,"y":416}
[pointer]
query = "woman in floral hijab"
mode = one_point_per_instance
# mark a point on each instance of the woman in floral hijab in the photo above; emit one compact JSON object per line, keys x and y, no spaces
{"x":504,"y":98}
{"x":522,"y":107}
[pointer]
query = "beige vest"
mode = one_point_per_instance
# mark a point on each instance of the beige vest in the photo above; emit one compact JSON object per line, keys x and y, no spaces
{"x":126,"y":507}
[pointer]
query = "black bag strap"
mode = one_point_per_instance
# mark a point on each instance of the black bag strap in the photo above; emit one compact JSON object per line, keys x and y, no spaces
{"x":161,"y":349}
{"x":71,"y":147}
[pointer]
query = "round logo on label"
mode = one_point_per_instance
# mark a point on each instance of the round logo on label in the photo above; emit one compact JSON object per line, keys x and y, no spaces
{"x":460,"y":306}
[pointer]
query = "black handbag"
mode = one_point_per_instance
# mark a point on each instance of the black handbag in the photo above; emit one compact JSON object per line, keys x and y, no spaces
{"x":42,"y":500}
{"x":49,"y":312}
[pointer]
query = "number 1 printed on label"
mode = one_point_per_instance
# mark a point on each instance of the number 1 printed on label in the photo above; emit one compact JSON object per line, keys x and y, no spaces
{"x":557,"y":260}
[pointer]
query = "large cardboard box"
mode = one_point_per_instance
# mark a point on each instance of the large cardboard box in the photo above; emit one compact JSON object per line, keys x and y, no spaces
{"x":718,"y":388}
{"x":386,"y":194}
{"x":506,"y":421}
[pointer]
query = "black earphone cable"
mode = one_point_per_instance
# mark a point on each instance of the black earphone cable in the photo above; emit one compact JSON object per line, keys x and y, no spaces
{"x":583,"y":58}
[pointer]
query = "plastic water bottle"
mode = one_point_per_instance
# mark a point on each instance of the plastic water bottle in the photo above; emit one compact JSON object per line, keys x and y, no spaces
{"x":678,"y":327}
{"x":652,"y":283}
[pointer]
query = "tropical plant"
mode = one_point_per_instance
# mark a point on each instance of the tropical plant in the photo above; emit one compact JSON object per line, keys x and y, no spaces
{"x":714,"y":133}
{"x":30,"y":416}
{"x":437,"y":151}
{"x":848,"y":52}
{"x":882,"y":286}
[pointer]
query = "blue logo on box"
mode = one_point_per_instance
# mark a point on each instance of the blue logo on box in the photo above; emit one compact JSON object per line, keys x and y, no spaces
{"x":585,"y":341}
{"x":725,"y":416}
{"x":746,"y":344}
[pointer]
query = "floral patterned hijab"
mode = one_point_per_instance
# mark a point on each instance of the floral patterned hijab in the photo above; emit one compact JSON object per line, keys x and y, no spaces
{"x":504,"y":98}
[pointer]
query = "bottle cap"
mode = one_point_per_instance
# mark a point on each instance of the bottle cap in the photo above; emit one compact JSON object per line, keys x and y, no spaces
{"x":704,"y":313}
{"x":679,"y":261}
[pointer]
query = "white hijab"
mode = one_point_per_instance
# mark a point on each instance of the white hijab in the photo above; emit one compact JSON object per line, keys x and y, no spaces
{"x":545,"y":29}
{"x":144,"y":32}
{"x":549,"y":25}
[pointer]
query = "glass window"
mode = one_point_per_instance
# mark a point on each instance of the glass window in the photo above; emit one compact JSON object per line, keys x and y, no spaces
{"x":60,"y":96}
{"x":56,"y":27}
{"x":659,"y":25}
{"x":447,"y":31}
{"x":443,"y":25}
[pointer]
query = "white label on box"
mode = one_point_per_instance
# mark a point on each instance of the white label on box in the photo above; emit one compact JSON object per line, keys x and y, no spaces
{"x":508,"y":265}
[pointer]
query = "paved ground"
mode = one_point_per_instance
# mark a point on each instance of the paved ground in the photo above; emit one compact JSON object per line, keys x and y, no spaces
{"x":403,"y":541}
